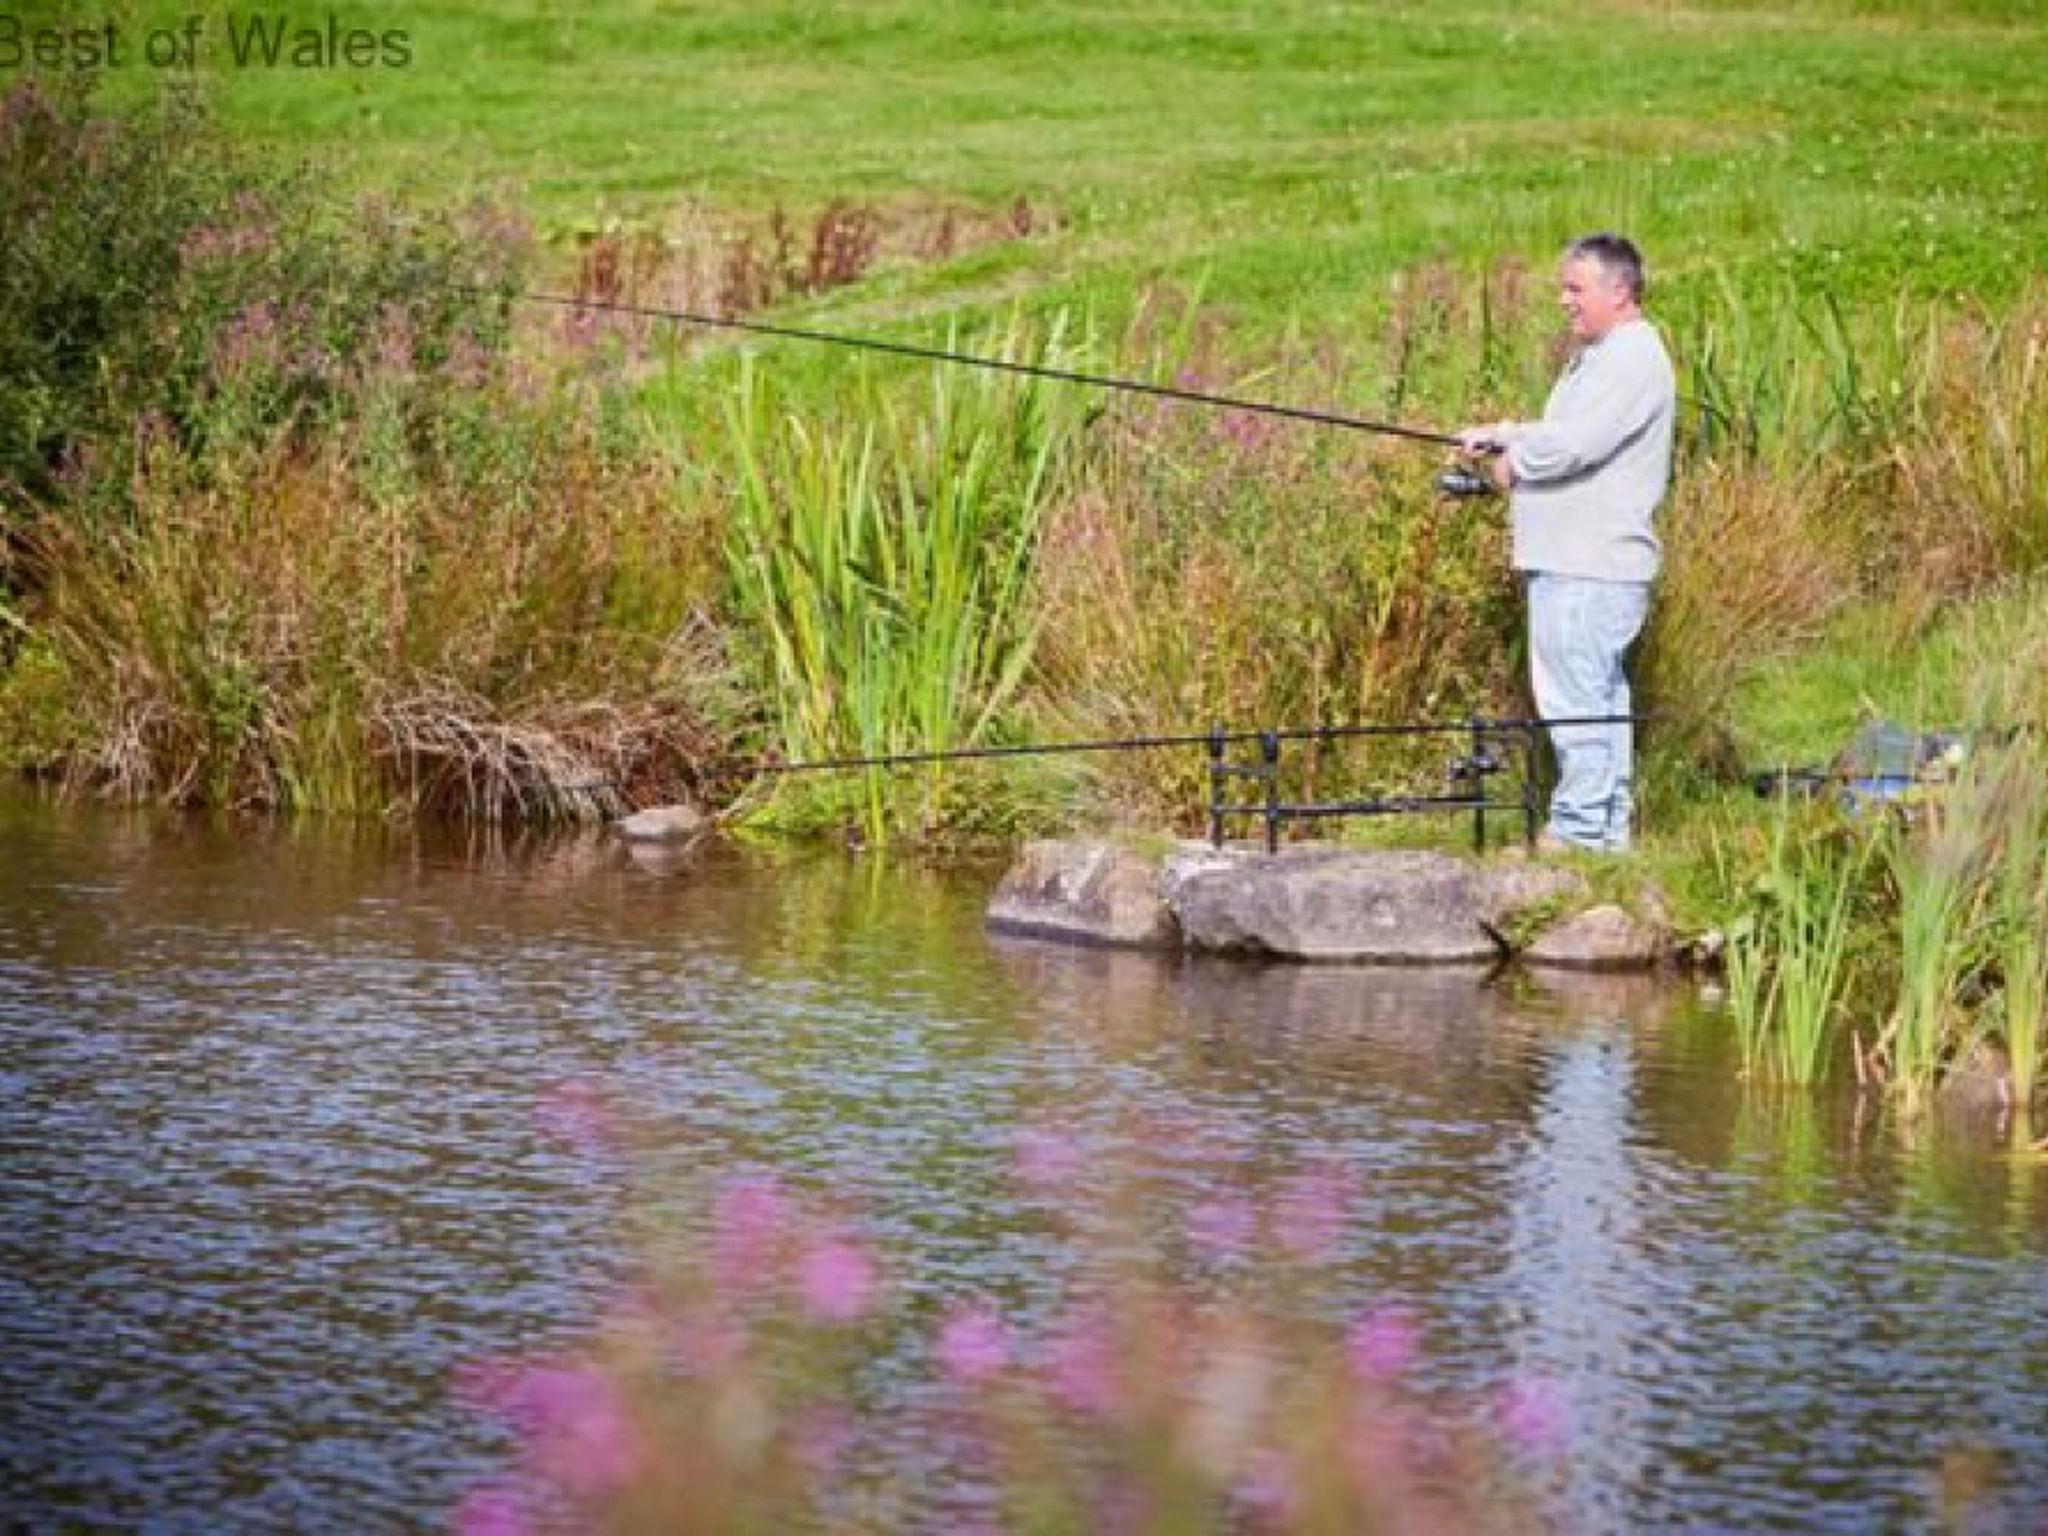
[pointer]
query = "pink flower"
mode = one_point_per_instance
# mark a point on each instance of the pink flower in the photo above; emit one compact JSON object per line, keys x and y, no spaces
{"x":974,"y":1343}
{"x":748,"y":1224}
{"x":577,"y":1426}
{"x":1383,"y":1344}
{"x":1268,"y":1491}
{"x":837,"y":1280}
{"x":1535,"y":1414}
{"x":491,"y":1511}
{"x":1081,"y":1371}
{"x":1222,"y":1228}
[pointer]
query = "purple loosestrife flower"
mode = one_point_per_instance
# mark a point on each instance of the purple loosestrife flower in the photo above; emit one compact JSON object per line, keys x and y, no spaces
{"x":837,"y":1279}
{"x":1245,"y":431}
{"x":1269,"y":1490}
{"x":749,"y":1223}
{"x":1383,"y":1344}
{"x":1222,"y":1228}
{"x":1535,"y":1415}
{"x":467,"y":363}
{"x":491,"y":1511}
{"x":1081,"y":1365}
{"x":249,"y":338}
{"x":577,"y":1427}
{"x":974,"y":1344}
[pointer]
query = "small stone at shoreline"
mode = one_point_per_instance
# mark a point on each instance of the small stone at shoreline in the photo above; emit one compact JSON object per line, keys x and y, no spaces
{"x":663,"y":824}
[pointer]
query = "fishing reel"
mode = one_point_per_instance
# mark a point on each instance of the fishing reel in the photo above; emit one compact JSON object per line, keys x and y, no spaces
{"x":1479,"y":765}
{"x":1462,"y":484}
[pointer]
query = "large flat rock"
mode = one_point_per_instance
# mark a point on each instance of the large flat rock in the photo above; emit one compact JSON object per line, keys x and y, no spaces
{"x":1088,"y":892}
{"x":1382,"y":907}
{"x":1399,"y":908}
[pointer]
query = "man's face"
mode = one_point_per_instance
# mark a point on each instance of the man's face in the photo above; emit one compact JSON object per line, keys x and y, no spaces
{"x":1593,"y":302}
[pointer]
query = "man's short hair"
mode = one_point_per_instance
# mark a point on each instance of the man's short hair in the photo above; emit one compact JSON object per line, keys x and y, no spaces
{"x":1615,"y":255}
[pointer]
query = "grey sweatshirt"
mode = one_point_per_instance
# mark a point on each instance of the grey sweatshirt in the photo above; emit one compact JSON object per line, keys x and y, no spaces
{"x":1589,"y":475}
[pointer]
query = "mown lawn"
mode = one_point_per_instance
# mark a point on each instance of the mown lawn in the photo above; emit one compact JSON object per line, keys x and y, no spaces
{"x":1295,"y":155}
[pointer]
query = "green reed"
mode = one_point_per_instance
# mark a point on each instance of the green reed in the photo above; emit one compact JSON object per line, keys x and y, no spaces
{"x":1934,"y":870}
{"x":1788,"y":954}
{"x":882,"y":561}
{"x":2019,"y":911}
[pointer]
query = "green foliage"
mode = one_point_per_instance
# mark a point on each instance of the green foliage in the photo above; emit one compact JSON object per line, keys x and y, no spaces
{"x":37,"y":711}
{"x":1790,"y":946}
{"x":159,"y":284}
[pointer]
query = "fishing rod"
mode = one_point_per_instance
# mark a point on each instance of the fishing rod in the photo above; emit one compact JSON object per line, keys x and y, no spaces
{"x":1456,"y":482}
{"x":1217,"y":739}
{"x":1489,"y":744}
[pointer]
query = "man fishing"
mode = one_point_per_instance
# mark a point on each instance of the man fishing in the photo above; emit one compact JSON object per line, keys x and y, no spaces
{"x":1584,"y":484}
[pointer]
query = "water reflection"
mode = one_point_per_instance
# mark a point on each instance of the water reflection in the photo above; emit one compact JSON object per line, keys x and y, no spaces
{"x":271,"y":1166}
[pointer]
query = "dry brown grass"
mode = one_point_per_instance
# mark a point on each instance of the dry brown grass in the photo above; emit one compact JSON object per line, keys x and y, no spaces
{"x":524,"y":641}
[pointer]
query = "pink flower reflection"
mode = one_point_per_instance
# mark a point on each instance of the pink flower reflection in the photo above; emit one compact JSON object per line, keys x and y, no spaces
{"x":822,"y":1437}
{"x":1047,"y":1158}
{"x":1269,"y":1491}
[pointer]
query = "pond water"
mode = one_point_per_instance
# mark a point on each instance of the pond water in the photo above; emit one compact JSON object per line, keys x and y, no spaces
{"x":273,"y":1170}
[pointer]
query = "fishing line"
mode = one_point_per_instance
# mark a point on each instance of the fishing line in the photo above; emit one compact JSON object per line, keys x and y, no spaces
{"x":1000,"y":365}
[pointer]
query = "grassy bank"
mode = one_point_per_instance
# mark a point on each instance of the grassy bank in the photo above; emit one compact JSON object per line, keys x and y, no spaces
{"x":1299,"y":156}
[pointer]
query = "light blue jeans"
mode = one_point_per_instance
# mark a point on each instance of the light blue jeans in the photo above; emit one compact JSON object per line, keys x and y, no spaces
{"x":1579,"y":631}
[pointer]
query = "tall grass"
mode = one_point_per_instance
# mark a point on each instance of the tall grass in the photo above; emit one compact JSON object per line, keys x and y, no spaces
{"x":1970,"y":878}
{"x":510,"y":634}
{"x":1935,"y":870}
{"x":1789,"y":953}
{"x":882,"y":560}
{"x":2020,"y":917}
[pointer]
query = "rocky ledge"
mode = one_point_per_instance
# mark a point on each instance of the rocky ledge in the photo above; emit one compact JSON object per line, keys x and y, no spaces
{"x":1325,"y":904}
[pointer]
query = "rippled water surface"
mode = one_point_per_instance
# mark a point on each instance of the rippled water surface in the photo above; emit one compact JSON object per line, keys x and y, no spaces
{"x":272,"y":1167}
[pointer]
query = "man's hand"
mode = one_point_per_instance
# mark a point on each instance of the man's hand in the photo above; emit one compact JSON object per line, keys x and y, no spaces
{"x":1474,"y":441}
{"x":1501,"y":471}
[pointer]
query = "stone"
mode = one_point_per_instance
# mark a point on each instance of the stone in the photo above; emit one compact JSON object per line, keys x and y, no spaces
{"x":1091,"y":892}
{"x":1394,"y":908}
{"x":663,"y":824}
{"x":1516,"y":897}
{"x":1602,"y":938}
